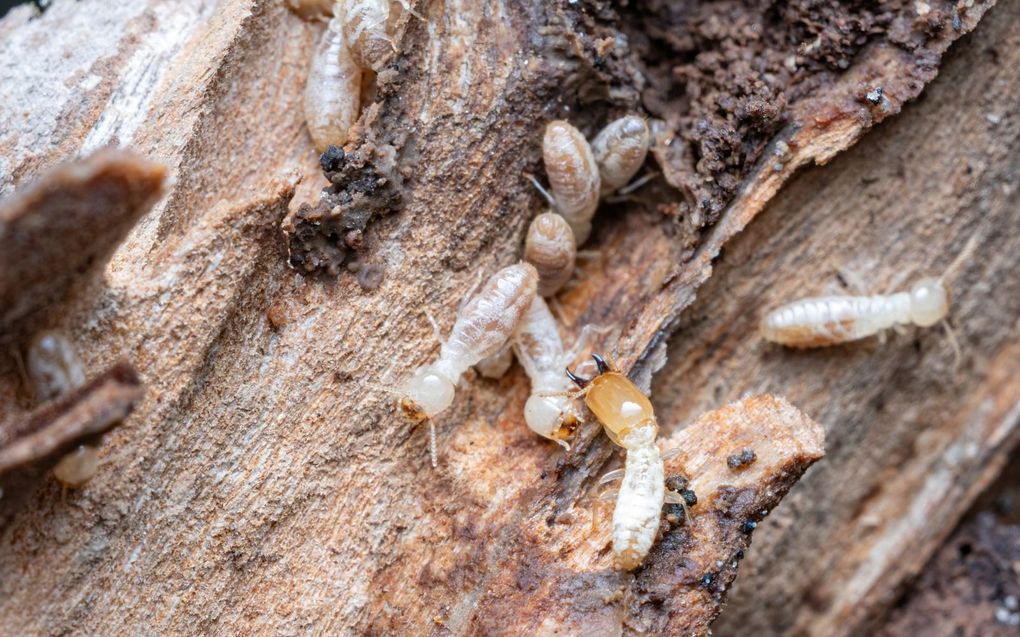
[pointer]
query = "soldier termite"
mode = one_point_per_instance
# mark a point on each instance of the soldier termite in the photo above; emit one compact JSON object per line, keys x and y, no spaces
{"x":573,"y":176}
{"x":620,"y":149}
{"x":829,"y":320}
{"x":550,"y":246}
{"x":482,"y":327}
{"x":550,"y":411}
{"x":627,"y":416}
{"x":54,"y":369}
{"x":333,"y":91}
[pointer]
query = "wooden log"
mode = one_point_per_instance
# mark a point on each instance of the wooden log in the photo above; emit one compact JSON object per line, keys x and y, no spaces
{"x":263,"y":485}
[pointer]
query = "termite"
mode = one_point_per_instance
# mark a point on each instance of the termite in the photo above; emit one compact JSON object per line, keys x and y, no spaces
{"x":54,"y":369}
{"x":497,"y":365}
{"x":53,"y":366}
{"x":482,"y":327}
{"x":550,"y":411}
{"x":628,"y":418}
{"x":573,"y":176}
{"x":366,"y":30}
{"x":829,"y":320}
{"x":550,"y":246}
{"x":333,"y":91}
{"x":620,"y":149}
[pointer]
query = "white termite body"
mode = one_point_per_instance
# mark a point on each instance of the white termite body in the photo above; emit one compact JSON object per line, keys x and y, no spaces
{"x":549,"y":411}
{"x":573,"y":176}
{"x":550,"y":246}
{"x":482,"y":327}
{"x":54,"y":369}
{"x":366,"y":27}
{"x":620,"y":149}
{"x":53,"y":366}
{"x":829,"y":320}
{"x":629,"y":420}
{"x":333,"y":92}
{"x":639,"y":503}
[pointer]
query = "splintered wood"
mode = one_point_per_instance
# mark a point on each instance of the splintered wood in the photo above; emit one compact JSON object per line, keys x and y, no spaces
{"x":264,"y":471}
{"x":31,"y":444}
{"x":70,"y":220}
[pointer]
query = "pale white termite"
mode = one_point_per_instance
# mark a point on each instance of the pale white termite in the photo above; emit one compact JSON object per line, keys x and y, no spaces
{"x":497,"y":365}
{"x":628,"y":418}
{"x":573,"y":176}
{"x":620,"y":149}
{"x":54,"y":369}
{"x":482,"y":327}
{"x":550,"y":246}
{"x":367,"y":31}
{"x":828,"y":320}
{"x":333,"y":91}
{"x":550,"y":411}
{"x":53,"y":366}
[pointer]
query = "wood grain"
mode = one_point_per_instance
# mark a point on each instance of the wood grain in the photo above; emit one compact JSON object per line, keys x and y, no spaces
{"x":263,"y":485}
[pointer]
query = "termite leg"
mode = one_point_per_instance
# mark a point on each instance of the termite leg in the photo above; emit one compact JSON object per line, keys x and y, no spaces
{"x":600,"y":501}
{"x":471,"y":292}
{"x":433,"y":451}
{"x":610,"y":476}
{"x":435,"y":327}
{"x":623,"y":194}
{"x":955,"y":344}
{"x":851,"y":281}
{"x":542,"y":190}
{"x":588,"y":332}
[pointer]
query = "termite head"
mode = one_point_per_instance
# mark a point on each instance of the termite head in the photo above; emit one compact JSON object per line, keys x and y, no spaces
{"x":426,"y":394}
{"x":929,"y":302}
{"x":551,"y":417}
{"x":77,"y":467}
{"x":616,"y":401}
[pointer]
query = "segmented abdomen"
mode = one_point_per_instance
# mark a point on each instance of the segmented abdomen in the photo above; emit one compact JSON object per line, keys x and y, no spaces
{"x":489,"y":319}
{"x":333,"y":92}
{"x":638,"y":506}
{"x":828,"y":320}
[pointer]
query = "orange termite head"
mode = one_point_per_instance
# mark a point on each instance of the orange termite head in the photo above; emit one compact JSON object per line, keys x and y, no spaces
{"x":615,"y":400}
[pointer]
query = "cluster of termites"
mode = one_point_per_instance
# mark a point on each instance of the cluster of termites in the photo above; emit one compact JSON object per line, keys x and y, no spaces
{"x":358,"y":39}
{"x":54,"y":369}
{"x":510,"y":316}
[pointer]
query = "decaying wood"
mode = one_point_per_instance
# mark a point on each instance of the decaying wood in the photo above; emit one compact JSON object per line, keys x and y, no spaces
{"x":68,"y":221}
{"x":262,"y":485}
{"x":31,"y":445}
{"x":911,"y":439}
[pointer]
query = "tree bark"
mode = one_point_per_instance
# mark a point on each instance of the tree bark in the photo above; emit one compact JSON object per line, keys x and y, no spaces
{"x":265,"y":485}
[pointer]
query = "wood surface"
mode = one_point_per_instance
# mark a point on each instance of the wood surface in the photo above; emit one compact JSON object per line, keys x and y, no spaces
{"x":265,"y":484}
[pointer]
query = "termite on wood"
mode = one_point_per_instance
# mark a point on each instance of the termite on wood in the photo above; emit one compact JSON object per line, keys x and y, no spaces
{"x":550,"y":411}
{"x":829,"y":320}
{"x":367,"y":31}
{"x":573,"y":176}
{"x":550,"y":246}
{"x":627,"y":416}
{"x":620,"y":149}
{"x":482,"y":327}
{"x":333,"y":91}
{"x":53,"y":366}
{"x":54,"y":369}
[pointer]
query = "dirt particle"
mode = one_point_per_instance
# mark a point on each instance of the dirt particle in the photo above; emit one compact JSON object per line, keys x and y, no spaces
{"x":370,"y":276}
{"x":741,"y":459}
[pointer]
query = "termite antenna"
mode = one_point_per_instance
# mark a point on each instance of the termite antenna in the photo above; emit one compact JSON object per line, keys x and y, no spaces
{"x":955,"y":344}
{"x":542,"y":190}
{"x":601,"y":363}
{"x":966,"y":253}
{"x":433,"y":447}
{"x":578,"y":380}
